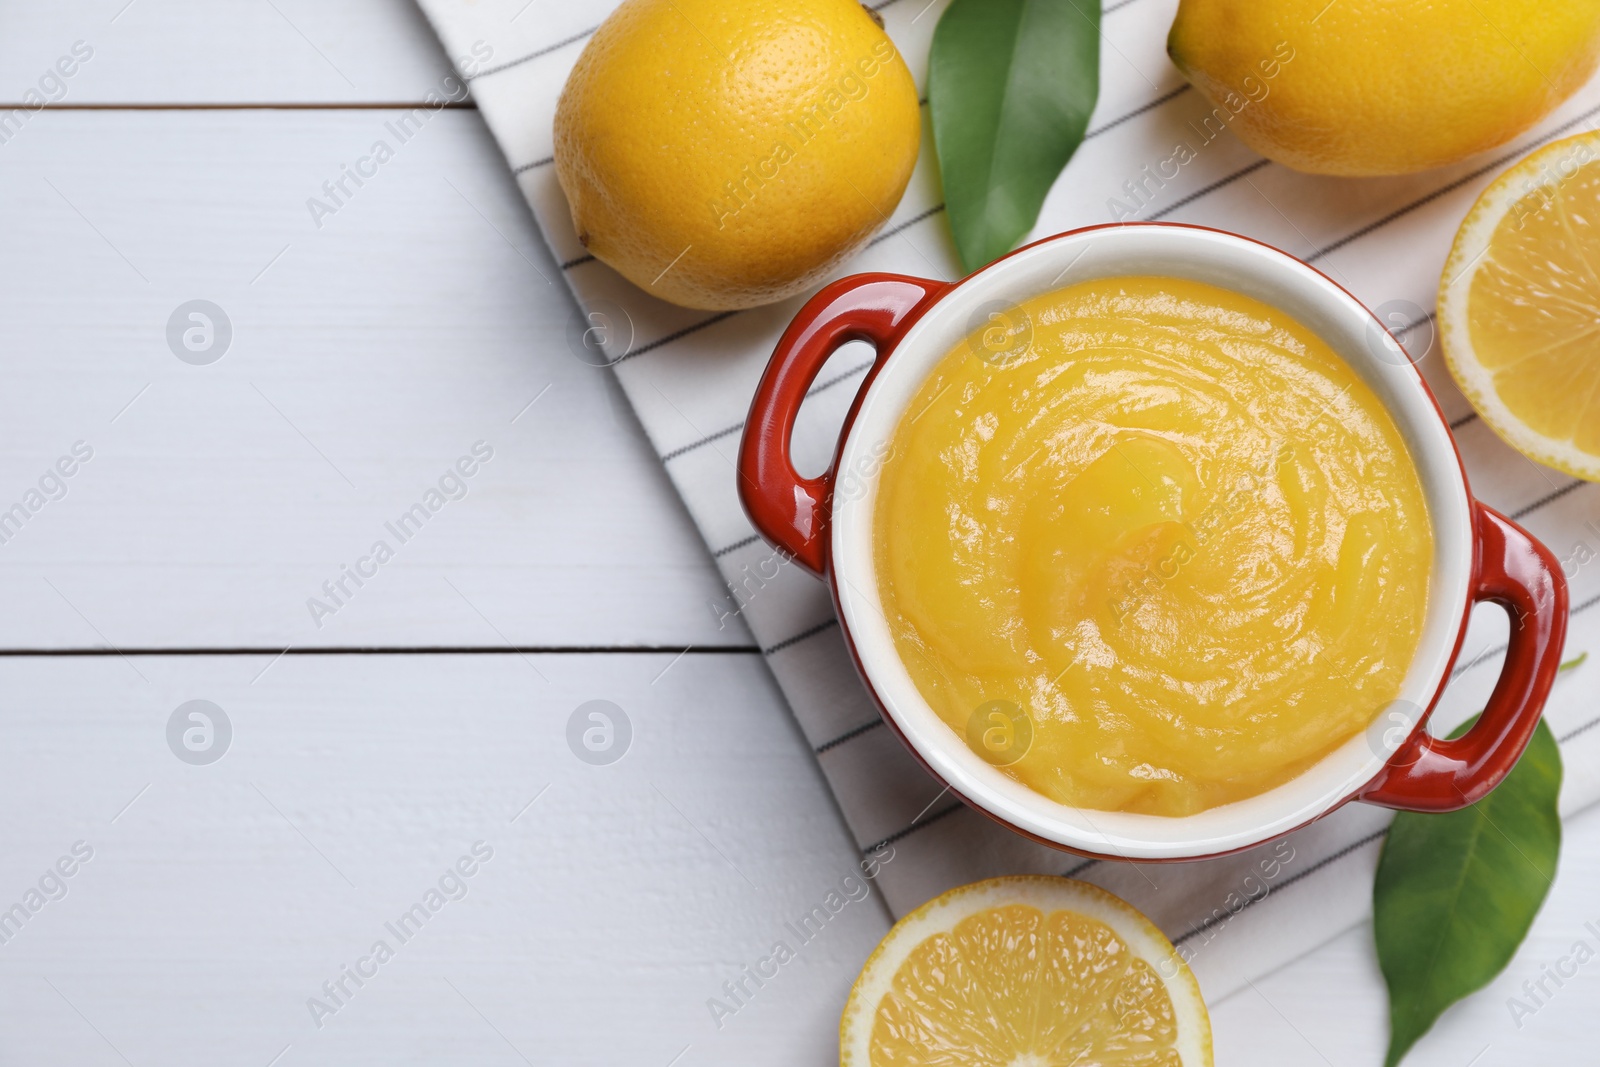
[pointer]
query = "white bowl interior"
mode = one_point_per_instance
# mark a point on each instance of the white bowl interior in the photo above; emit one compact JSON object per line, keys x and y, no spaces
{"x":1230,"y":262}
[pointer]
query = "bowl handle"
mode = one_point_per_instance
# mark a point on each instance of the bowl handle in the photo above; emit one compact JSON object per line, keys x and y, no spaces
{"x":1518,"y":573}
{"x":790,"y":511}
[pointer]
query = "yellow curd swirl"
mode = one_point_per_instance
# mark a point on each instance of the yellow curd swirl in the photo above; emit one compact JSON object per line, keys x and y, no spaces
{"x":1165,"y":523}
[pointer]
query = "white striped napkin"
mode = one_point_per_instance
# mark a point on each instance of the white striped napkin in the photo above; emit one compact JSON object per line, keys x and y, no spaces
{"x":690,"y":376}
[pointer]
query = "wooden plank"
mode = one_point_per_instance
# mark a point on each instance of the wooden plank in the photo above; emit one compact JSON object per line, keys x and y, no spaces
{"x":220,"y":897}
{"x":371,"y":349}
{"x":223,"y":51}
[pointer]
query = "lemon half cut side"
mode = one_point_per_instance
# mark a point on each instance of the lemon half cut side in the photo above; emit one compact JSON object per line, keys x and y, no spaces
{"x":1519,"y":306}
{"x":1027,"y":971}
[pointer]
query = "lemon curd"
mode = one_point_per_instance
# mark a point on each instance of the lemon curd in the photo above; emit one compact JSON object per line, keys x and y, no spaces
{"x":1151,"y":546}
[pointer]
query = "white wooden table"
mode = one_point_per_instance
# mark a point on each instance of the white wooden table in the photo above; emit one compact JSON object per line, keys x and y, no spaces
{"x":376,"y":746}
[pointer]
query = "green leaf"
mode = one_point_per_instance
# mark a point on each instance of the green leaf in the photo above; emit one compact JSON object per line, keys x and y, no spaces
{"x":1455,"y":893}
{"x":1011,"y":84}
{"x":1575,"y":661}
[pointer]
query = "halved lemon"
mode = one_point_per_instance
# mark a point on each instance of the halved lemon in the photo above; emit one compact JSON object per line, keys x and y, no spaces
{"x":1519,"y":306}
{"x":1025,"y":972}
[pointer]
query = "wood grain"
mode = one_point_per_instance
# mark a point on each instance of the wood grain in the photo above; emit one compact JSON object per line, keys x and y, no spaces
{"x":225,"y":51}
{"x":219,"y":898}
{"x":368,"y":355}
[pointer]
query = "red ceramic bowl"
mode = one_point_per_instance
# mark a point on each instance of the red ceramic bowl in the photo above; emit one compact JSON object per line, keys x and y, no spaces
{"x":913,"y":323}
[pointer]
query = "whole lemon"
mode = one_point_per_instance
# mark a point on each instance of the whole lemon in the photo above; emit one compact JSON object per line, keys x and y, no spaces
{"x":728,"y":153}
{"x":1382,"y":86}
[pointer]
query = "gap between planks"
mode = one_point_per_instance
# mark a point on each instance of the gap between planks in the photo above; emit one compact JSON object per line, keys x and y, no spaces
{"x":355,"y":105}
{"x":394,"y":650}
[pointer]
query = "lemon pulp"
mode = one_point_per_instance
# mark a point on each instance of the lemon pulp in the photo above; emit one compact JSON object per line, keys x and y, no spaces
{"x":1165,"y":523}
{"x":1084,"y":992}
{"x":1025,"y":971}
